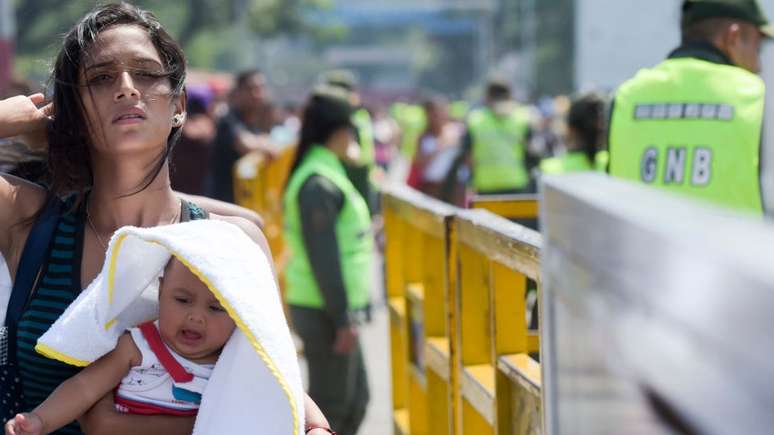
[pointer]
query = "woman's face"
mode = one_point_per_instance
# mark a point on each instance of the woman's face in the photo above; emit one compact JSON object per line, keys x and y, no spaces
{"x":343,"y":143}
{"x":126,"y":92}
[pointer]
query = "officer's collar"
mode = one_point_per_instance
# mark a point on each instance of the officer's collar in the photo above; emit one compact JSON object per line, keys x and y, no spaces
{"x":701,"y":50}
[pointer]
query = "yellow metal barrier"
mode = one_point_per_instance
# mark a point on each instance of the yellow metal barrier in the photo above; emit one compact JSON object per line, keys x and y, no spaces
{"x":456,"y":284}
{"x":500,"y":382}
{"x":258,"y":185}
{"x":420,"y":272}
{"x":508,"y":206}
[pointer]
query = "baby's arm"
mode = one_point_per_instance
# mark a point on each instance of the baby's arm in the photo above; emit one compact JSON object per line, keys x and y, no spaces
{"x":76,"y":395}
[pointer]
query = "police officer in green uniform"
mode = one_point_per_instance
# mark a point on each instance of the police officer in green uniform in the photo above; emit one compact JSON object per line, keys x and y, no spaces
{"x":328,"y":276}
{"x":495,"y":143}
{"x":692,"y":124}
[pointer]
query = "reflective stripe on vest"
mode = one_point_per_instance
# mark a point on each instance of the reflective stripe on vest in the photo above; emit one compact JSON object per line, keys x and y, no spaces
{"x":353,"y":235}
{"x":694,"y":127}
{"x":498,"y":150}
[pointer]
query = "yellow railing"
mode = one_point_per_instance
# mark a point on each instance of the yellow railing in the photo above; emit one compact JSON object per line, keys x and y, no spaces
{"x":419,"y":272}
{"x":500,"y":382}
{"x":259,"y":183}
{"x":457,"y":283}
{"x":508,"y":206}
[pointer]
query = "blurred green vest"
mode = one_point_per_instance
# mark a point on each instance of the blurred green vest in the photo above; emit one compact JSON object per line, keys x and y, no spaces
{"x":412,"y":122}
{"x":498,"y":150}
{"x":569,"y":162}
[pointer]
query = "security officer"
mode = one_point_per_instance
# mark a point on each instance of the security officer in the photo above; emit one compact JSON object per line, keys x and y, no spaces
{"x":692,"y":124}
{"x":328,"y":275}
{"x":495,"y":143}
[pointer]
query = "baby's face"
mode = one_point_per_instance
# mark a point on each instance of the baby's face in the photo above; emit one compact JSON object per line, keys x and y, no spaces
{"x":191,"y":320}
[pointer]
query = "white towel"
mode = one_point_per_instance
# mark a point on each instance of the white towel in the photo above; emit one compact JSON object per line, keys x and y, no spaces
{"x":256,"y":382}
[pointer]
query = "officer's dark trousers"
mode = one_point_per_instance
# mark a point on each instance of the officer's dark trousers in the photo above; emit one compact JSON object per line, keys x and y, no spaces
{"x":337,"y":383}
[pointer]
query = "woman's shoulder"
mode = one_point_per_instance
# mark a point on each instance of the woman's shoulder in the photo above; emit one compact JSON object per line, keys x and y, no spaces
{"x":251,"y":229}
{"x":22,"y":197}
{"x":20,"y":200}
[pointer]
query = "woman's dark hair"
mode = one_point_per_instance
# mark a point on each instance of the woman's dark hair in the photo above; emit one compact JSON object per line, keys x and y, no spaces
{"x":69,"y":136}
{"x":327,"y":111}
{"x":586,"y":119}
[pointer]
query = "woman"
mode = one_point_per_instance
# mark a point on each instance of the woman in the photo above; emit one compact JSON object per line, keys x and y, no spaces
{"x":585,"y":133}
{"x":327,"y":227}
{"x":117,"y":111}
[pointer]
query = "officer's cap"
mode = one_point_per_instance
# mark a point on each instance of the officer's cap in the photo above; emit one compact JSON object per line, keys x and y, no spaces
{"x":695,"y":11}
{"x":342,"y":78}
{"x":332,"y":105}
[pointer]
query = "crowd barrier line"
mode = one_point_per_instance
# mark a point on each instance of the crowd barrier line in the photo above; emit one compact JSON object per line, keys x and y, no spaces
{"x":456,"y":288}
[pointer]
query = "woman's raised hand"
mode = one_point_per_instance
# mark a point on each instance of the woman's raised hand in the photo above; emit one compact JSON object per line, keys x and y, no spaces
{"x":21,"y":116}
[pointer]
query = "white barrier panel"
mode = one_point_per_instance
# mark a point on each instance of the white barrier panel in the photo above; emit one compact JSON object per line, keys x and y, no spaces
{"x":657,"y":313}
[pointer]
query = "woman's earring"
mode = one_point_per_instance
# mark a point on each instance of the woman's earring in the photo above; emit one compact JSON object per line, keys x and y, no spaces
{"x":177,"y":120}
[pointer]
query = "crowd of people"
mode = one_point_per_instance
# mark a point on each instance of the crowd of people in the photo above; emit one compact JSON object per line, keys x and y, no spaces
{"x":126,"y":141}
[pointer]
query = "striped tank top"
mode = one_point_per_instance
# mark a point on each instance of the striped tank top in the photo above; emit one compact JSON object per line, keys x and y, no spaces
{"x":58,"y":285}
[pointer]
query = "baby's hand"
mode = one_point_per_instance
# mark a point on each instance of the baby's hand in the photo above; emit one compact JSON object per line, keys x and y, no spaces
{"x":24,"y":424}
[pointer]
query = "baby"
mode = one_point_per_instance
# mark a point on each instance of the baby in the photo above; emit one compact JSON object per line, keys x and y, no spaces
{"x":160,"y":367}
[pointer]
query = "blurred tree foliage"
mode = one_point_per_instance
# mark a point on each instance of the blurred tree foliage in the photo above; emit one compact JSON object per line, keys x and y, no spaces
{"x":554,"y":34}
{"x":207,"y":29}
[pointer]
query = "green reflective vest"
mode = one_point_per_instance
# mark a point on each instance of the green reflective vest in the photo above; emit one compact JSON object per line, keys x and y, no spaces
{"x":601,"y":160}
{"x":365,"y":132}
{"x":498,"y":150}
{"x":691,"y":126}
{"x":565,"y":163}
{"x":458,"y":110}
{"x":412,"y":122}
{"x":353,"y":235}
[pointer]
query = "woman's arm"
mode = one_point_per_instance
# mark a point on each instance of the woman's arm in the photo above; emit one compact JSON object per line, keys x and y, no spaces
{"x":103,"y":419}
{"x":19,"y":199}
{"x":79,"y":393}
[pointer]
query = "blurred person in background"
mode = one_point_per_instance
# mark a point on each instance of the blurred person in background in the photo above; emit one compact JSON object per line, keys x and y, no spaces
{"x":692,"y":124}
{"x":240,"y":131}
{"x":495,"y":143}
{"x":190,"y":159}
{"x":328,"y":231}
{"x":362,"y":174}
{"x":386,"y":137}
{"x":585,"y":138}
{"x":548,"y":116}
{"x":411,"y":121}
{"x":437,"y":148}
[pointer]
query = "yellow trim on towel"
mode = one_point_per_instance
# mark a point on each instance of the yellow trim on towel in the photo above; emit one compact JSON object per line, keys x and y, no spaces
{"x":52,"y":354}
{"x":240,"y":323}
{"x":110,"y":324}
{"x":112,"y":268}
